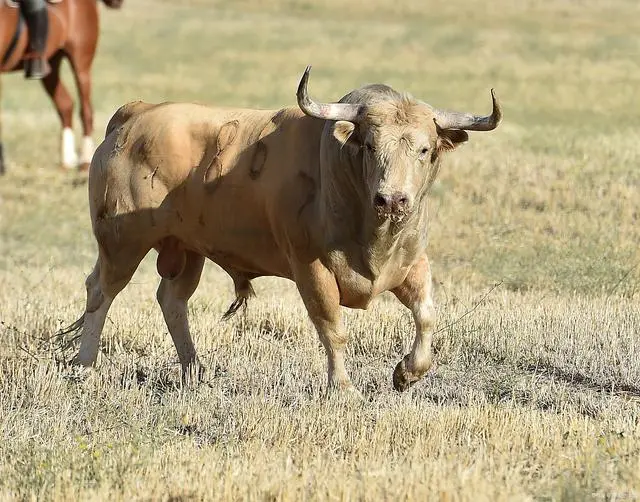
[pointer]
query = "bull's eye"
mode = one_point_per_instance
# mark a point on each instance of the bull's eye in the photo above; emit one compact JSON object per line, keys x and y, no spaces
{"x":423,"y":152}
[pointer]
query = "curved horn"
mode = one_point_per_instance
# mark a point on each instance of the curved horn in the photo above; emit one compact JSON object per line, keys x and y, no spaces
{"x":458,"y":120}
{"x":328,"y":111}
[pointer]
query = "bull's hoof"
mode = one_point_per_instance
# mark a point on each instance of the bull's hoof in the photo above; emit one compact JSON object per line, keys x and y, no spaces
{"x":403,"y":379}
{"x":344,"y":389}
{"x":80,"y":373}
{"x":81,"y":361}
{"x":346,"y":393}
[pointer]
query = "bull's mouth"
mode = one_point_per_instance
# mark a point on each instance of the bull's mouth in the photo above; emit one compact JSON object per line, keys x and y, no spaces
{"x":392,"y":216}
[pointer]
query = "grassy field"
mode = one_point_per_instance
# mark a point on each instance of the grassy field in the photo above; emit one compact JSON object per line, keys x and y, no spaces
{"x":534,"y":244}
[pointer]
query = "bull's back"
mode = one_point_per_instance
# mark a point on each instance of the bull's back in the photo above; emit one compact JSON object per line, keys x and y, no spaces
{"x":229,"y":184}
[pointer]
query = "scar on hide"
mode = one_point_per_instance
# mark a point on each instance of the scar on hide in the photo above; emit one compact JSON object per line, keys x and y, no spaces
{"x":118,"y":146}
{"x":226,"y":136}
{"x":212,"y":175}
{"x":258,"y":160}
{"x":122,"y":137}
{"x":311,"y":191}
{"x":153,"y":173}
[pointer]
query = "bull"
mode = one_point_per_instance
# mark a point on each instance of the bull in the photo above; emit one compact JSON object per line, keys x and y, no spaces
{"x":330,"y":195}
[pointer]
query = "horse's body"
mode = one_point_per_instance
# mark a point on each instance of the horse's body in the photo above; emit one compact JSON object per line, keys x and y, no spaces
{"x":73,"y":33}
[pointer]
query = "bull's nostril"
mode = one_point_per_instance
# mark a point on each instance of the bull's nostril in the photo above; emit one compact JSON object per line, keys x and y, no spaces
{"x":380,"y":201}
{"x":402,"y":200}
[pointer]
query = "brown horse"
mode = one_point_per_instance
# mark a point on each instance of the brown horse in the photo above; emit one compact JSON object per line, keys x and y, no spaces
{"x":73,"y":33}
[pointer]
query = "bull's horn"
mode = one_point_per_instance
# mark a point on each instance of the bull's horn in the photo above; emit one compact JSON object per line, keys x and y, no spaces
{"x":328,"y":111}
{"x":459,"y":120}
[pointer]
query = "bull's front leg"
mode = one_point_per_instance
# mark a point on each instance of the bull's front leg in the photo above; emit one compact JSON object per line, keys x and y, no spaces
{"x":321,"y":296}
{"x":416,"y":293}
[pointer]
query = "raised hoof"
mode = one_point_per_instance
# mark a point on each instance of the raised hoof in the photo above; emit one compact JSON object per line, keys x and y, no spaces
{"x":402,"y":378}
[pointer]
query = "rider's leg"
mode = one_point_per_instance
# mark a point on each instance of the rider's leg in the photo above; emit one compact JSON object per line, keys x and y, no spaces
{"x":35,"y":15}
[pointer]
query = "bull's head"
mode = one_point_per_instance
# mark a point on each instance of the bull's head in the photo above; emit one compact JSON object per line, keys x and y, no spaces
{"x":398,"y":140}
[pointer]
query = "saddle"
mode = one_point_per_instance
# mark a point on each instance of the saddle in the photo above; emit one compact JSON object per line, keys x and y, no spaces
{"x":14,"y":3}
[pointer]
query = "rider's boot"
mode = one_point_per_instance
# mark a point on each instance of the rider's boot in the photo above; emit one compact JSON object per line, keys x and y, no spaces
{"x":36,"y":65}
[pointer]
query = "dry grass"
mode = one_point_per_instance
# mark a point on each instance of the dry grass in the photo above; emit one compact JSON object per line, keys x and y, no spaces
{"x":536,"y":394}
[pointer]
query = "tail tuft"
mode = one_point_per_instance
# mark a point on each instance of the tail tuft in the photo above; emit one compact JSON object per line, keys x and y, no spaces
{"x":72,"y":328}
{"x":238,"y":303}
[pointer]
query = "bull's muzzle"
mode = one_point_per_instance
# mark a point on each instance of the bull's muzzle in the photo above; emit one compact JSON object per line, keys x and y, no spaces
{"x":394,"y":206}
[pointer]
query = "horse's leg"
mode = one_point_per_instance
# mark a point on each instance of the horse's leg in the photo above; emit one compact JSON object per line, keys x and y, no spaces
{"x":88,"y":147}
{"x":64,"y":105}
{"x":82,"y":70}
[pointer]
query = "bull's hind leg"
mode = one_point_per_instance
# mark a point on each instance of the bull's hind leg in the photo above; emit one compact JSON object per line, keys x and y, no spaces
{"x":173,"y":295}
{"x":416,"y":293}
{"x":103,"y":284}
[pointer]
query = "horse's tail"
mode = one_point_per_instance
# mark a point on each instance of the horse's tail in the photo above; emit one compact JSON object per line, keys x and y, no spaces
{"x":124,"y":113}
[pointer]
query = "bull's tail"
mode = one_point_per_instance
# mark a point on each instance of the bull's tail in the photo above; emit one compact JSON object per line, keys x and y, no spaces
{"x":244,"y":291}
{"x":74,"y":328}
{"x":124,"y":113}
{"x":239,"y":302}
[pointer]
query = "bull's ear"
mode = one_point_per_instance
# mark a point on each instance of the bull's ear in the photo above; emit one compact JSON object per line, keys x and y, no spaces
{"x":449,"y":139}
{"x":343,"y":132}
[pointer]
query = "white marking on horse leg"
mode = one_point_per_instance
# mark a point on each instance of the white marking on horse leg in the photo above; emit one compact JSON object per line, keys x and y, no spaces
{"x":68,"y":149}
{"x":88,"y":148}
